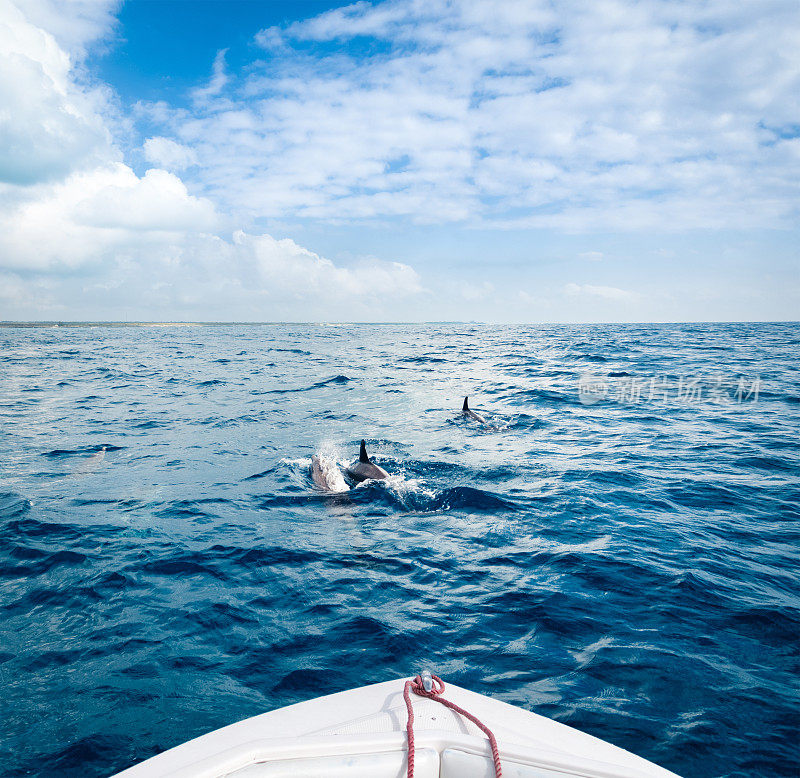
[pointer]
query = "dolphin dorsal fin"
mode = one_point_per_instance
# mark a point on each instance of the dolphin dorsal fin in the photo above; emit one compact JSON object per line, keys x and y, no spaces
{"x":466,"y":406}
{"x":362,"y":456}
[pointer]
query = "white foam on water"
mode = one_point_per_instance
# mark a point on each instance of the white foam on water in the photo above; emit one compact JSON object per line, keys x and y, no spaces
{"x":402,"y":485}
{"x":299,"y":462}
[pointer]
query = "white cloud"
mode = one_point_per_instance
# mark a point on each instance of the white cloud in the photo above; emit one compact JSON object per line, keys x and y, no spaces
{"x":218,"y":80}
{"x":80,"y":230}
{"x":270,"y":39}
{"x":169,"y":154}
{"x":574,"y":116}
{"x":84,"y":23}
{"x":195,"y":275}
{"x":604,"y":292}
{"x":567,"y":116}
{"x":284,"y":266}
{"x":91,"y":214}
{"x":48,"y":126}
{"x":591,"y":256}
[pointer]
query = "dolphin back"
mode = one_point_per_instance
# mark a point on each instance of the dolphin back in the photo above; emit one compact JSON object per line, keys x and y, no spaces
{"x":362,"y":471}
{"x":469,"y":413}
{"x":365,"y":468}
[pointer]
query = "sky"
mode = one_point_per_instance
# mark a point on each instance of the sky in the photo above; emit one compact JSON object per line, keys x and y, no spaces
{"x":405,"y":160}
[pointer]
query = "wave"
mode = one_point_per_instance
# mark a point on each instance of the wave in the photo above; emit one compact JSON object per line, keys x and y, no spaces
{"x":82,"y":451}
{"x":336,"y":380}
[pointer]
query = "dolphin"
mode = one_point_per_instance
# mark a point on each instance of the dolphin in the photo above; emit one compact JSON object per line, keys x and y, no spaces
{"x":92,"y":463}
{"x":470,"y":414}
{"x":364,"y":469}
{"x":326,"y":475}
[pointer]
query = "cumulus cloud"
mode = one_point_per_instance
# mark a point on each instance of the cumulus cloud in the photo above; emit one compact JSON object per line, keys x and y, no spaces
{"x":109,"y":237}
{"x":169,"y":154}
{"x":285,"y":266}
{"x":78,"y":224}
{"x":48,"y":126}
{"x":196,"y":275}
{"x":92,"y":213}
{"x":83,"y":23}
{"x":574,"y":116}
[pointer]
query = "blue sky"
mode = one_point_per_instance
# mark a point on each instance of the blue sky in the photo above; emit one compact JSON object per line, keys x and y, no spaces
{"x":516,"y":161}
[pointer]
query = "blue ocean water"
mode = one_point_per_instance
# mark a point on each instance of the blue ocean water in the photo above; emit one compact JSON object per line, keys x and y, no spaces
{"x":616,"y":548}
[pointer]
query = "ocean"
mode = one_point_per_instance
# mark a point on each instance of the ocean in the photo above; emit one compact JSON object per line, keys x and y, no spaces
{"x":616,"y":548}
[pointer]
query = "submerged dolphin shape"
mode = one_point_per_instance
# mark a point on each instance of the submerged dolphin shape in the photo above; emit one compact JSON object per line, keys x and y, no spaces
{"x":470,"y":414}
{"x":364,"y":469}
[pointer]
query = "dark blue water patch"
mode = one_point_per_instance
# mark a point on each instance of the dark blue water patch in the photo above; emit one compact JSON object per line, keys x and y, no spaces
{"x":123,"y":505}
{"x":245,"y":419}
{"x":216,"y":616}
{"x":52,"y":600}
{"x":35,"y":561}
{"x":114,"y":581}
{"x":332,"y":381}
{"x":769,"y":464}
{"x":776,"y":626}
{"x":310,"y":682}
{"x":614,"y":478}
{"x":13,"y":505}
{"x":262,"y":474}
{"x":523,"y":421}
{"x":59,"y":453}
{"x":546,"y":398}
{"x":588,"y":357}
{"x":190,"y":509}
{"x":150,"y":424}
{"x":630,"y":570}
{"x":188,"y":566}
{"x":73,"y":759}
{"x":711,"y":496}
{"x":254,"y":560}
{"x":422,"y":360}
{"x":33,"y":530}
{"x":415,"y":500}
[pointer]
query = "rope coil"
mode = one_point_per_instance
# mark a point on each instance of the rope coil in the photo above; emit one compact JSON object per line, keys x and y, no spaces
{"x":436,"y":684}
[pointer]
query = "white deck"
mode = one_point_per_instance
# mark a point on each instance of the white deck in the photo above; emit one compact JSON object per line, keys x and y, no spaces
{"x":360,"y":733}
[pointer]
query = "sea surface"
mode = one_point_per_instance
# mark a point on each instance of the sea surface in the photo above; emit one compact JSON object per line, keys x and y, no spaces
{"x":615,"y":548}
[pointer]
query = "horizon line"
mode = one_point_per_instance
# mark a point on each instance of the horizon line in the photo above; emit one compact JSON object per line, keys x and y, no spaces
{"x":190,"y":323}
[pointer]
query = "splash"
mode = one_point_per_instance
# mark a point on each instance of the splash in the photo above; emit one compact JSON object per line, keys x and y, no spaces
{"x":325,"y":470}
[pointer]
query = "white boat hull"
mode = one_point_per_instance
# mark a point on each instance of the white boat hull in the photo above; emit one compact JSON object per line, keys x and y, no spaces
{"x":360,"y":733}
